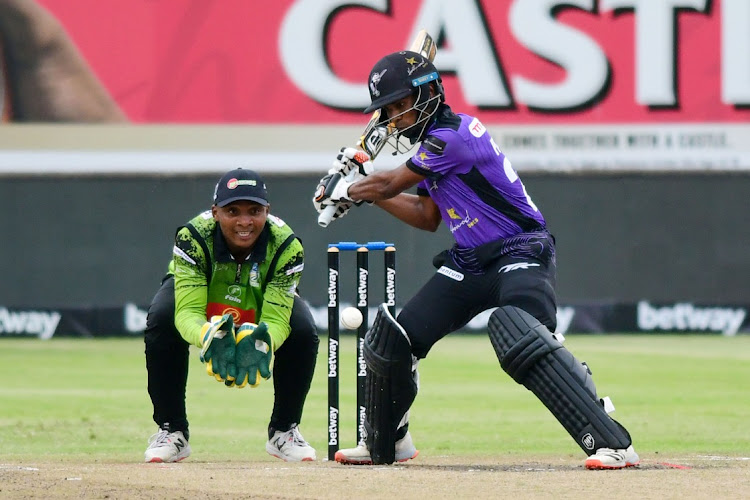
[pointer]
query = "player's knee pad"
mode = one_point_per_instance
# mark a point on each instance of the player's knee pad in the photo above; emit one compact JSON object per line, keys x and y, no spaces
{"x":390,"y":384}
{"x":530,"y":354}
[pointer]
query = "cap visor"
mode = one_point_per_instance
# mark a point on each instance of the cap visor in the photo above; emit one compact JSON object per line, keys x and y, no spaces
{"x":260,"y":201}
{"x":387,"y":99}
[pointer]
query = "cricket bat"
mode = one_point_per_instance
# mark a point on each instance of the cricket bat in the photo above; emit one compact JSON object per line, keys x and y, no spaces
{"x":373,"y":138}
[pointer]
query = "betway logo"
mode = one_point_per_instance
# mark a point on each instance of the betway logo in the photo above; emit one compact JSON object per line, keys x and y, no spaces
{"x":135,"y":318}
{"x":38,"y":323}
{"x":333,"y":360}
{"x":390,"y":286}
{"x":333,"y":277}
{"x":361,"y":364}
{"x":688,"y":317}
{"x":362,"y":288}
{"x":333,"y":423}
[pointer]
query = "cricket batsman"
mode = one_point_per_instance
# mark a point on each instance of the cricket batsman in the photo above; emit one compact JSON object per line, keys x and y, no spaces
{"x":503,"y":258}
{"x":231,"y":291}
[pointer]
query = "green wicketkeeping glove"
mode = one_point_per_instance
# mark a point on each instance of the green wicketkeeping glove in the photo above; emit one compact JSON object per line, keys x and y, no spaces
{"x":254,"y":354}
{"x":218,"y":351}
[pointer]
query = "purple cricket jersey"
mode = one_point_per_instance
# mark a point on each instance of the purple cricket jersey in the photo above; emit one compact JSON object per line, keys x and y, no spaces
{"x":480,"y":196}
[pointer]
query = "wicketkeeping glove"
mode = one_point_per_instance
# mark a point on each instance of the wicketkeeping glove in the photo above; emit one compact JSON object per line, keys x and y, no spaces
{"x":254,"y":355}
{"x":218,"y":347}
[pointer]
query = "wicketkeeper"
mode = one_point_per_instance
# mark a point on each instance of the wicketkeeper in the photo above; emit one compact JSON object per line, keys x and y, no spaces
{"x":503,"y":257}
{"x":231,"y":291}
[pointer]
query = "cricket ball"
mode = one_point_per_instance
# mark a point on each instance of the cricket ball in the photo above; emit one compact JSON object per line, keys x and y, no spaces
{"x":351,"y":318}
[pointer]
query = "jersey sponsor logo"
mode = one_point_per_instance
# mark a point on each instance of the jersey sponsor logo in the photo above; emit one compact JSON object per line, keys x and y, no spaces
{"x":232,"y":298}
{"x":466,"y":220}
{"x":181,"y":253}
{"x":419,"y":161}
{"x":239,"y":316}
{"x":434,"y":145}
{"x":452,"y":214}
{"x":517,"y":265}
{"x":254,"y":281}
{"x":451,"y":273}
{"x":476,"y":128}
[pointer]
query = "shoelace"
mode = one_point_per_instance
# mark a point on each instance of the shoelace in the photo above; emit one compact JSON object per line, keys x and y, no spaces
{"x":159,"y":438}
{"x":297,"y":438}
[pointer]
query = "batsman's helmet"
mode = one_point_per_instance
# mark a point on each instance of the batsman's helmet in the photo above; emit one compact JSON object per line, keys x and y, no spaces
{"x":399,"y":75}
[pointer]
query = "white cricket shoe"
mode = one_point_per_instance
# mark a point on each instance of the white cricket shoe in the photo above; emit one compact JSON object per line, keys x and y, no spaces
{"x":290,"y":446}
{"x":607,"y":458}
{"x":165,"y":446}
{"x":360,"y":455}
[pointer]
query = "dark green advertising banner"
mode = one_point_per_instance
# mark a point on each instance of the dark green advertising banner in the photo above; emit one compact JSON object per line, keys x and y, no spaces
{"x":97,"y":241}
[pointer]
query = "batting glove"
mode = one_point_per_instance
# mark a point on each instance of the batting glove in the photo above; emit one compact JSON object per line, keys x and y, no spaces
{"x":254,"y":355}
{"x":218,"y":347}
{"x":333,"y":187}
{"x":350,"y":160}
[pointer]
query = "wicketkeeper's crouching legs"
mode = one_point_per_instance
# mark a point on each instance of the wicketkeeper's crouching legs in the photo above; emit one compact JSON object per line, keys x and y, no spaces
{"x":532,"y":355}
{"x":293,"y":369}
{"x":167,"y":364}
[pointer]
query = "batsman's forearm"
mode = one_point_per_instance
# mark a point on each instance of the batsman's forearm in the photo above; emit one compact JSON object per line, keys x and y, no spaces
{"x":413,"y":210}
{"x":374,"y":187}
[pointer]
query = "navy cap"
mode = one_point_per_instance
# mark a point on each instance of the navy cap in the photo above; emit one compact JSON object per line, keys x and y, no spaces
{"x":240,"y":184}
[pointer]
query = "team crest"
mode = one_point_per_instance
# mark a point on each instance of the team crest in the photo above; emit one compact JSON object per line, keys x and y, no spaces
{"x":374,"y":81}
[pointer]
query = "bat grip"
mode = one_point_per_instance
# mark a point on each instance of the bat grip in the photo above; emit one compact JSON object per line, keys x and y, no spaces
{"x":326,"y":216}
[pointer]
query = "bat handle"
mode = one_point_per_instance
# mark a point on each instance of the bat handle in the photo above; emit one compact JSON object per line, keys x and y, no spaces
{"x":326,"y":216}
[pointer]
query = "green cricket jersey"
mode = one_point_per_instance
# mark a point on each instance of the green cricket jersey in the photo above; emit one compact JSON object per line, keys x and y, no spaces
{"x":208,"y":281}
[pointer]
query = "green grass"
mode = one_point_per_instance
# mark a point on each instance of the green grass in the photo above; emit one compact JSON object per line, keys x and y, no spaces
{"x":72,"y":399}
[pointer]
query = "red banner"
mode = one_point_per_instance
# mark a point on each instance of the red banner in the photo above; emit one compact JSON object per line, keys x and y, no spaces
{"x":508,"y":61}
